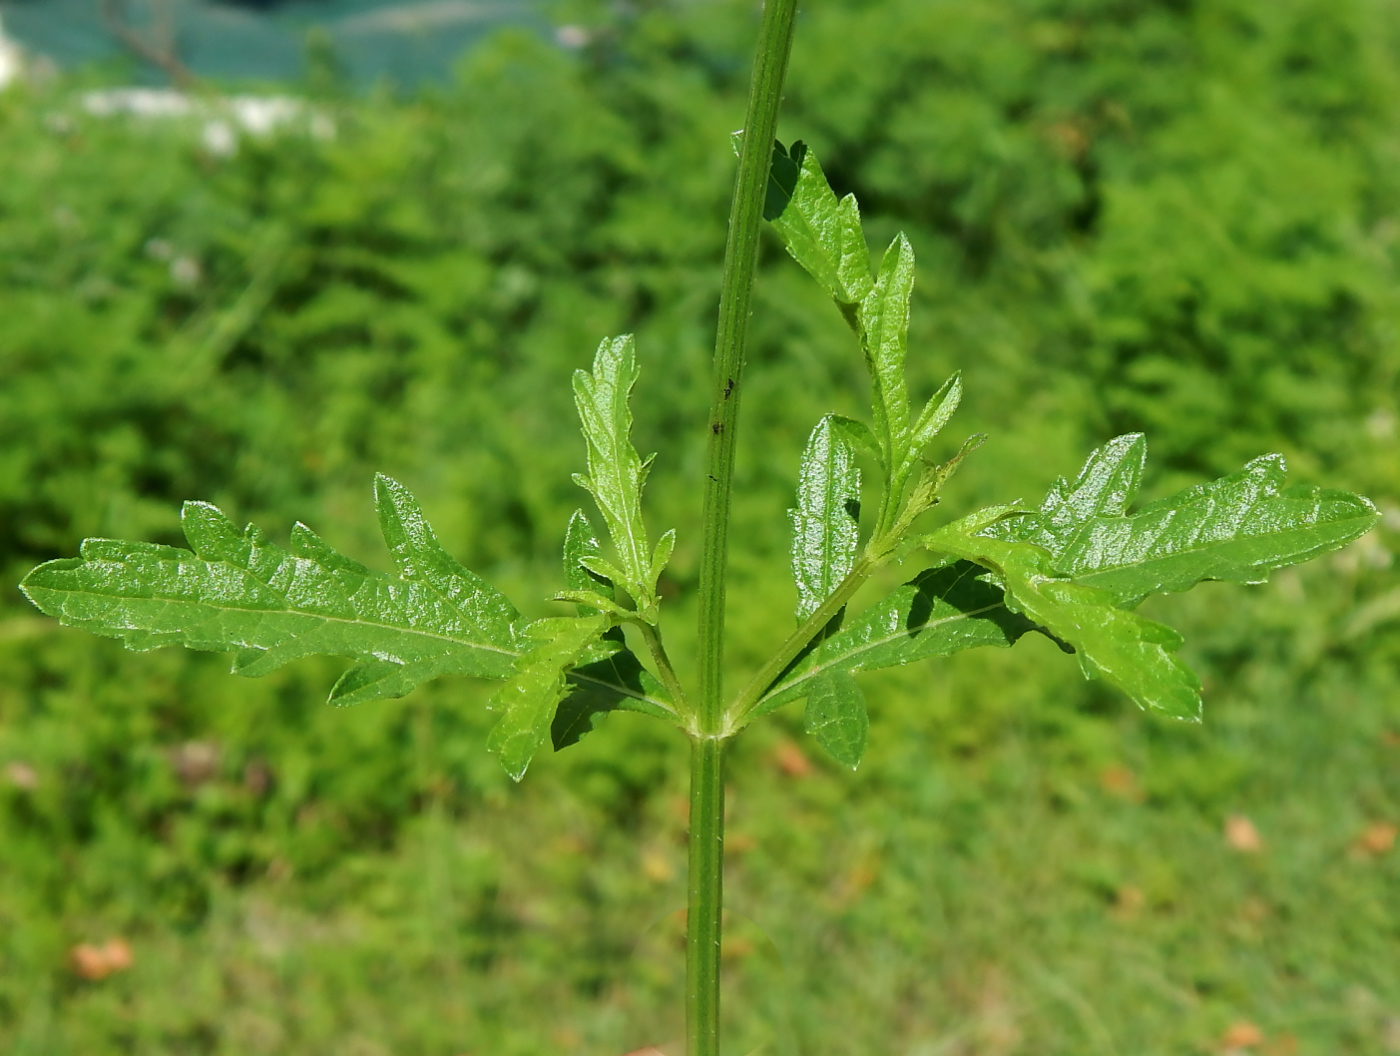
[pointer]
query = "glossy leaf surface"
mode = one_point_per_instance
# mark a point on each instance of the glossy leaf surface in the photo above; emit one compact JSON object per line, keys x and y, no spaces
{"x":616,"y":472}
{"x":580,"y":544}
{"x":822,"y":234}
{"x":235,"y":591}
{"x":884,"y":322}
{"x":836,"y":716}
{"x":941,"y":612}
{"x":528,"y":700}
{"x":826,"y":520}
{"x":1135,"y":654}
{"x":934,"y":416}
{"x":1239,"y":528}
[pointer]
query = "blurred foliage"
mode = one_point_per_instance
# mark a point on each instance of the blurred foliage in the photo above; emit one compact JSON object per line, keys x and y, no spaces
{"x":1179,"y":217}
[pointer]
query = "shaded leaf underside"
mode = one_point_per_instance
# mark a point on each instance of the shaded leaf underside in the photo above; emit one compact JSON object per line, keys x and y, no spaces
{"x":941,"y":612}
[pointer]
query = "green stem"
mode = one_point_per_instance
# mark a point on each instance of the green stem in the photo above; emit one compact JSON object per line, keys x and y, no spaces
{"x":702,"y":935}
{"x":740,"y":262}
{"x":736,"y":290}
{"x":652,"y":636}
{"x":757,"y":686}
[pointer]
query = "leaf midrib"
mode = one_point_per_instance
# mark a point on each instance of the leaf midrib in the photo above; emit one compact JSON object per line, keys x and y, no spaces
{"x":1213,"y":544}
{"x":366,"y":623}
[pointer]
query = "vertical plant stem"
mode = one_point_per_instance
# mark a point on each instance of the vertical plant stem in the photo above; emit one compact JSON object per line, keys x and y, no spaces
{"x":706,"y":776}
{"x":702,"y":935}
{"x":740,"y":261}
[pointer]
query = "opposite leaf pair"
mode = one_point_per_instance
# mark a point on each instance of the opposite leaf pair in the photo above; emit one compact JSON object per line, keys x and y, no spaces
{"x":1073,"y":569}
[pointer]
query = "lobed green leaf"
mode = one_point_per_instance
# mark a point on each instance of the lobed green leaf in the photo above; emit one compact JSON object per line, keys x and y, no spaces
{"x":836,"y":716}
{"x":826,"y":520}
{"x":530,"y":698}
{"x":1238,"y":528}
{"x":615,"y":471}
{"x":1133,"y":653}
{"x":235,"y":591}
{"x":822,"y":234}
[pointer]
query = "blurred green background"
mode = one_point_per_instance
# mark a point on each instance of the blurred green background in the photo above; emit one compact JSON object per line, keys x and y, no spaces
{"x":1179,"y":216}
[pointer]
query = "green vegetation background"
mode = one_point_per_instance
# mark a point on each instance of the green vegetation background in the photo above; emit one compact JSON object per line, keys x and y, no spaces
{"x":1180,"y":217}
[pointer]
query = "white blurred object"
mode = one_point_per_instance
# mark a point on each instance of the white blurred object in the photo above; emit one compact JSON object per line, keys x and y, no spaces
{"x":224,"y":121}
{"x":573,"y":37}
{"x":11,"y":60}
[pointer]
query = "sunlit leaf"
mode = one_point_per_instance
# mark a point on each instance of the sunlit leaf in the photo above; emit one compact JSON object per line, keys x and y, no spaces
{"x":615,"y":471}
{"x":935,"y":415}
{"x":580,"y":542}
{"x":1135,"y":654}
{"x":236,"y":591}
{"x":528,"y":700}
{"x":825,"y":522}
{"x":822,"y":234}
{"x":884,"y":320}
{"x":1239,"y":528}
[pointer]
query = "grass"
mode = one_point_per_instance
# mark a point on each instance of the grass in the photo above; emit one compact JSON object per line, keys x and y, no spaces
{"x":1023,"y":865}
{"x":1037,"y":870}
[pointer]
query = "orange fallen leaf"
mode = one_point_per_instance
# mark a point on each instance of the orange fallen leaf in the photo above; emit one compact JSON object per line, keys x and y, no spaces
{"x":1377,"y":839}
{"x":1242,"y":1035}
{"x":1119,"y":781}
{"x":88,"y":961}
{"x":118,"y":954}
{"x":22,"y":776}
{"x":791,"y":760}
{"x":94,"y":962}
{"x":1242,"y":836}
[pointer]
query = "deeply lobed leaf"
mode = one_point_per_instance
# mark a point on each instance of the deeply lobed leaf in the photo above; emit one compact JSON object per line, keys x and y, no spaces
{"x":235,"y":591}
{"x":1238,"y":528}
{"x":1135,"y":654}
{"x":238,"y":592}
{"x":616,"y":472}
